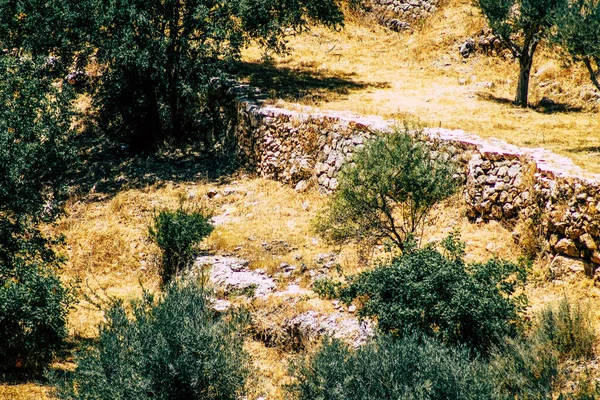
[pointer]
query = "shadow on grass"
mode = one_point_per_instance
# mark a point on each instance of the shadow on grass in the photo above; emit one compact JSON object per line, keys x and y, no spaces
{"x":306,"y":85}
{"x":106,"y":167}
{"x":584,"y":149}
{"x":544,"y":106}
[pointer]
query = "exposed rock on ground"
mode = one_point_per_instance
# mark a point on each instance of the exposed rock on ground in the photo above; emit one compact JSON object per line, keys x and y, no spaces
{"x":312,"y":325}
{"x":233,"y":276}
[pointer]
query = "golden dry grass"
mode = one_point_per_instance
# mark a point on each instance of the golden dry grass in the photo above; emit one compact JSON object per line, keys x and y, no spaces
{"x":421,"y":76}
{"x":25,"y":391}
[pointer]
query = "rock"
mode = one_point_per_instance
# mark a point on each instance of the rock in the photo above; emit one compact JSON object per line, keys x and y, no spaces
{"x":312,"y":326}
{"x":595,"y":257}
{"x":573,"y":232}
{"x":352,"y":309}
{"x":566,"y":247}
{"x":588,"y":241}
{"x":212,"y":193}
{"x":221,"y":305}
{"x":229,"y":191}
{"x":514,"y":170}
{"x":302,"y":186}
{"x":566,"y":265}
{"x":233,"y":276}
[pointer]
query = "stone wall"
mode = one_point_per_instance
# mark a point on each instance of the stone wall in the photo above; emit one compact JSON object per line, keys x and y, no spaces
{"x":502,"y":182}
{"x":406,"y":10}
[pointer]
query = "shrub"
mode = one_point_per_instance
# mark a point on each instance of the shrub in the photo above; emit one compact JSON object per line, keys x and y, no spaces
{"x":174,"y":347}
{"x":387,"y":192}
{"x":176,"y":233}
{"x":33,"y":314}
{"x":412,"y":367}
{"x":568,"y":329}
{"x":441,"y":296}
{"x":530,"y":368}
{"x":524,"y":369}
{"x":327,"y":288}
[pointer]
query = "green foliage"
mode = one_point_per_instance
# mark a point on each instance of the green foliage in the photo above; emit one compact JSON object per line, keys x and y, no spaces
{"x":568,"y":329}
{"x":521,"y":25}
{"x":530,"y":367}
{"x":174,"y":347}
{"x":176,"y":233}
{"x":387,"y":192}
{"x":579,"y":32}
{"x":442,"y":296}
{"x":34,"y":149}
{"x":164,"y":58}
{"x":327,"y":288}
{"x":35,"y":146}
{"x":33,"y":315}
{"x":412,"y":367}
{"x":525,"y":369}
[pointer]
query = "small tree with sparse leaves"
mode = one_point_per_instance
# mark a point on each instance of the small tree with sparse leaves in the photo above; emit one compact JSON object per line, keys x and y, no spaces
{"x":388,"y":191}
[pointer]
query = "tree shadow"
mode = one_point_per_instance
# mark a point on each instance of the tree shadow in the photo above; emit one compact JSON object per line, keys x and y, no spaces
{"x":493,"y":98}
{"x":302,"y":84}
{"x":584,"y":149}
{"x":549,"y":106}
{"x":107,"y":167}
{"x":544,"y":106}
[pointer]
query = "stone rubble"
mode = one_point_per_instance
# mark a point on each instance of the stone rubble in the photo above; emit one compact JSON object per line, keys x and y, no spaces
{"x":233,"y":276}
{"x":312,"y":325}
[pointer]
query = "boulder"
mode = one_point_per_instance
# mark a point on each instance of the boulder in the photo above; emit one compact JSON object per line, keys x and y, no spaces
{"x":566,"y":247}
{"x":562,"y":265}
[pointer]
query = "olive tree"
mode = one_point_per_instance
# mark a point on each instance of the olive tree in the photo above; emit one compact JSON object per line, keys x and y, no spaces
{"x":388,"y":191}
{"x":521,"y":25}
{"x":35,"y":146}
{"x":579,"y":33}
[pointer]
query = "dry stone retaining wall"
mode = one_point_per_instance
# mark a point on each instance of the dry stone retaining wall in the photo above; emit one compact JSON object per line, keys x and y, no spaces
{"x":502,"y":182}
{"x":406,"y":10}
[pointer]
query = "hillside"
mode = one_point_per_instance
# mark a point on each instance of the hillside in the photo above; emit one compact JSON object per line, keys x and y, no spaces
{"x":363,"y":69}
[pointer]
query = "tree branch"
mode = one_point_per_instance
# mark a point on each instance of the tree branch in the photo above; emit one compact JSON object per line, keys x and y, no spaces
{"x":593,"y":74}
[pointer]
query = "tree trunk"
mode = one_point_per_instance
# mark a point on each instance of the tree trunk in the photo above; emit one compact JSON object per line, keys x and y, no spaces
{"x":525,"y":62}
{"x":154,"y":125}
{"x":593,"y":74}
{"x":173,"y":69}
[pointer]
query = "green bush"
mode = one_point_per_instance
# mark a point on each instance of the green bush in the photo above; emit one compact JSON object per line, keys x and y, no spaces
{"x":412,"y":367}
{"x":388,"y":191}
{"x":174,"y":347}
{"x":442,"y":296}
{"x":524,"y":369}
{"x":176,"y":233}
{"x":568,"y":329}
{"x":33,"y":315}
{"x":327,"y":288}
{"x":533,"y":367}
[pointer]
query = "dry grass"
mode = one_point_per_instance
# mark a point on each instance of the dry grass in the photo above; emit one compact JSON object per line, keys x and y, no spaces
{"x":421,"y":76}
{"x":25,"y":391}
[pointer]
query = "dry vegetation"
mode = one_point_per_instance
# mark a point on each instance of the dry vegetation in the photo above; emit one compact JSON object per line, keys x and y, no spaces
{"x":368,"y":69}
{"x":364,"y":69}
